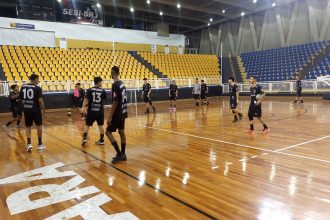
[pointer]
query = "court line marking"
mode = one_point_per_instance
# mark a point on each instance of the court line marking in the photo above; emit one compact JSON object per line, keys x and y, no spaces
{"x":303,"y":143}
{"x":136,"y":178}
{"x":240,"y":145}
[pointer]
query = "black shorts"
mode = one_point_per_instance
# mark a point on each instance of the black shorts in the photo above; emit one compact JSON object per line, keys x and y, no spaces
{"x":91,"y":118}
{"x":203,"y":95}
{"x":146,"y":99}
{"x":196,"y":96}
{"x":120,"y":125}
{"x":172,"y":97}
{"x":255,"y":111}
{"x":33,"y":116}
{"x":299,"y":92}
{"x":80,"y":103}
{"x":233,"y":104}
{"x":16,"y":111}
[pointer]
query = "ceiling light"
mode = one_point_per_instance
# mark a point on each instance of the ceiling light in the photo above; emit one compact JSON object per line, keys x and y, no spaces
{"x":274,"y":4}
{"x":211,"y":19}
{"x":148,"y":2}
{"x":243,"y":13}
{"x":208,"y":24}
{"x":178,"y":5}
{"x":223,"y":11}
{"x":59,"y":1}
{"x":132,"y":9}
{"x":255,"y":1}
{"x":98,"y":5}
{"x":161,"y":13}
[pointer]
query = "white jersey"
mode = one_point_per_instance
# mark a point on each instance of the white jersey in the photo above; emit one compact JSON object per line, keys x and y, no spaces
{"x":197,"y":89}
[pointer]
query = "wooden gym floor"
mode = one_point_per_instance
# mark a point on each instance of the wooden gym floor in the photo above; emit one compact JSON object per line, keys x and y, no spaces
{"x":189,"y":164}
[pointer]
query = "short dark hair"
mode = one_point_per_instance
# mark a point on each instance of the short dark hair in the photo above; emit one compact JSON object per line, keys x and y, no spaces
{"x":202,"y":80}
{"x":197,"y":78}
{"x":145,"y":79}
{"x":33,"y":77}
{"x":115,"y":69}
{"x":78,"y":84}
{"x":97,"y":79}
{"x":254,"y":77}
{"x":13,"y":86}
{"x":232,"y":78}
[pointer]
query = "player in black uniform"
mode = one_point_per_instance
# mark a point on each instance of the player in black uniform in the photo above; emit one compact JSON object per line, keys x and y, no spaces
{"x":117,"y":116}
{"x":33,"y":105}
{"x":15,"y":106}
{"x":233,"y":99}
{"x":173,"y":94}
{"x":204,"y":92}
{"x":298,"y":91}
{"x":81,"y":100}
{"x":146,"y":92}
{"x":255,"y":105}
{"x":93,"y":107}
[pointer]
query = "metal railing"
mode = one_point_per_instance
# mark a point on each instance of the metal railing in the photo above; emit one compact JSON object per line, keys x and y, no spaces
{"x":53,"y":87}
{"x":311,"y":86}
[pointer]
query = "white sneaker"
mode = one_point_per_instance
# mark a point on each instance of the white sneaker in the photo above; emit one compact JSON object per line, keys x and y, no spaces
{"x":41,"y":147}
{"x":29,"y":147}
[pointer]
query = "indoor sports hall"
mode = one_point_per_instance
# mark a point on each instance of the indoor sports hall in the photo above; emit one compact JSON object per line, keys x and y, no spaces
{"x":206,"y":109}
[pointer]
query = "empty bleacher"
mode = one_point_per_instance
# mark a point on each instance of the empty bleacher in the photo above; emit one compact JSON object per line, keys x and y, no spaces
{"x":321,"y":69}
{"x":281,"y":63}
{"x":184,"y":65}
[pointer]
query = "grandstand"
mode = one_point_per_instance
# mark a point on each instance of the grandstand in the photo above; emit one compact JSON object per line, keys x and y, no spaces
{"x":321,"y":69}
{"x":280,"y":63}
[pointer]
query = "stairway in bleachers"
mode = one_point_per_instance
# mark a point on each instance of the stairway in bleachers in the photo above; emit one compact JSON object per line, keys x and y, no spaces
{"x":320,"y":64}
{"x":147,"y":65}
{"x":281,"y":63}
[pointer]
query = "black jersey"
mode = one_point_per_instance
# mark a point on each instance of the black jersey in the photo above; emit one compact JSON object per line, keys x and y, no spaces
{"x":233,"y":89}
{"x":173,"y":89}
{"x":298,"y":85}
{"x":81,"y":94}
{"x":30,"y":95}
{"x":96,"y":97}
{"x":119,"y":95}
{"x":15,"y":102}
{"x":254,"y":91}
{"x":203,"y":88}
{"x":146,"y":88}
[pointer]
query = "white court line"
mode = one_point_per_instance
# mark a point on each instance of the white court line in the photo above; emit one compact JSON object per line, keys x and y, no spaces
{"x":306,"y":142}
{"x":240,"y":145}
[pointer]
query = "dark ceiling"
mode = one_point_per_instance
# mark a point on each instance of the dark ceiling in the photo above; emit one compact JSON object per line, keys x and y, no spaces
{"x":191,"y":16}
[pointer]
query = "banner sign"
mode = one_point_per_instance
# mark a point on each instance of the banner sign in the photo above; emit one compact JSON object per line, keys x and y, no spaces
{"x":79,"y":12}
{"x":22,"y":26}
{"x":36,"y":10}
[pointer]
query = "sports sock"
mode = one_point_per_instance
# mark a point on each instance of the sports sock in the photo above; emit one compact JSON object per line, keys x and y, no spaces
{"x":251,"y":127}
{"x":9,"y":123}
{"x":84,"y":136}
{"x":29,"y":140}
{"x":101,"y":137}
{"x":39,"y":140}
{"x":18,"y":122}
{"x":123,"y":148}
{"x":265,"y":126}
{"x":115,"y":145}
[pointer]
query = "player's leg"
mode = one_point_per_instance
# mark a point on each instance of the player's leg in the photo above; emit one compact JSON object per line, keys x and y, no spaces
{"x":121,"y":131}
{"x":19,"y":118}
{"x":86,"y":129}
{"x":266,"y":129}
{"x":251,"y":115}
{"x":110,"y":129}
{"x":28,"y":125}
{"x":100,"y":123}
{"x":38,"y":122}
{"x":150,"y":104}
{"x":14,"y":118}
{"x":146,"y":101}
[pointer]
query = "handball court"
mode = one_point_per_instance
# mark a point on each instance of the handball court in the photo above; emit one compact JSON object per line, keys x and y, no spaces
{"x":192,"y":164}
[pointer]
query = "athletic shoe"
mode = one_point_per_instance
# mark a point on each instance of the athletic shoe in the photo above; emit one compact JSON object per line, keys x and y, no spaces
{"x":84,"y":142}
{"x":250,"y":131}
{"x":41,"y":147}
{"x":265,"y":131}
{"x":118,"y":158}
{"x":100,"y":142}
{"x":235,"y":120}
{"x":240,"y":117}
{"x":29,"y":147}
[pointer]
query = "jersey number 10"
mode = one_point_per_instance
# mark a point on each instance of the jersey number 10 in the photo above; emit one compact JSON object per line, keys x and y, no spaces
{"x":28,"y":93}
